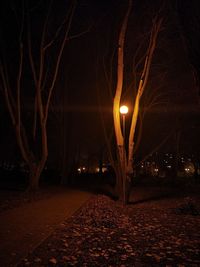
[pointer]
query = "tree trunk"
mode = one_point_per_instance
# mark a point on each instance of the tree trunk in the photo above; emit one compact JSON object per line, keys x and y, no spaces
{"x":120,"y":170}
{"x":118,"y":191}
{"x":121,"y":173}
{"x":34,"y":175}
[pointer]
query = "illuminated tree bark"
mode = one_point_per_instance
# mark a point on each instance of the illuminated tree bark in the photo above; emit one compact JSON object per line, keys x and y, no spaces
{"x":35,"y":159}
{"x":125,"y":163}
{"x":116,"y":106}
{"x":141,"y":87}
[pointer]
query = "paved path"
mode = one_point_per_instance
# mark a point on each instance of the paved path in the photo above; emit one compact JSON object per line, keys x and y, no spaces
{"x":25,"y":227}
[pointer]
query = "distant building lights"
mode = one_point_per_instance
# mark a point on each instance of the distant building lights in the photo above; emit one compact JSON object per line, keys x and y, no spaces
{"x":81,"y":169}
{"x":104,"y":169}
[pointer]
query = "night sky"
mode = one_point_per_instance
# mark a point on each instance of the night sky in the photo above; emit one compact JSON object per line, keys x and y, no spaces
{"x":81,"y":83}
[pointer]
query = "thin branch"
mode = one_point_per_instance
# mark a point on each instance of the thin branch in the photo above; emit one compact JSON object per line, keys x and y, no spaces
{"x":45,"y":76}
{"x":33,"y":69}
{"x":35,"y":118}
{"x":34,"y":73}
{"x":69,"y":38}
{"x":108,"y":75}
{"x":105,"y":132}
{"x":59,"y":58}
{"x":8,"y":101}
{"x":141,"y":87}
{"x":158,"y":146}
{"x":45,"y":25}
{"x":41,"y":68}
{"x":79,"y":34}
{"x":140,"y":130}
{"x":22,"y":23}
{"x":153,"y":38}
{"x":155,"y":99}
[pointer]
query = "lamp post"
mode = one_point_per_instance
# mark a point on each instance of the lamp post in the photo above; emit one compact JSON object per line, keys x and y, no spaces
{"x":124,"y":110}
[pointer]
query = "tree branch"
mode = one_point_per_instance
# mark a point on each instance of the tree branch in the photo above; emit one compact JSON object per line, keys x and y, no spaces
{"x":68,"y":26}
{"x":6,"y":94}
{"x":120,"y":75}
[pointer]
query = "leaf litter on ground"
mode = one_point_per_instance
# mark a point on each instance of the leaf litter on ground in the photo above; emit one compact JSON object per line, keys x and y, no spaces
{"x":106,"y":233}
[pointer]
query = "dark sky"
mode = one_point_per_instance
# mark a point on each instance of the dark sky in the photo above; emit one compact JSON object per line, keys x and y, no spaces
{"x":82,"y":76}
{"x":179,"y":100}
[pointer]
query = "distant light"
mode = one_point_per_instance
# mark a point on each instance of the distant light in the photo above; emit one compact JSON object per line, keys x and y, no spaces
{"x":123,"y":109}
{"x":104,"y":169}
{"x":156,"y":169}
{"x":79,"y":170}
{"x":169,"y":166}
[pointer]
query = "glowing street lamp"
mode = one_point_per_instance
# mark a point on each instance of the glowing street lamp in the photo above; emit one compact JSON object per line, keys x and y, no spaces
{"x":123,"y":110}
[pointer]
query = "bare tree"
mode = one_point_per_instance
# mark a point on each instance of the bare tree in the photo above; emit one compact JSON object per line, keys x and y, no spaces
{"x":123,"y":162}
{"x":126,"y":157}
{"x":42,"y":79}
{"x":189,"y":33}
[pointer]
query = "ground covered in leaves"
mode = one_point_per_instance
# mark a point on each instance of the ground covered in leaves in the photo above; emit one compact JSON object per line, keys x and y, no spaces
{"x":155,"y":232}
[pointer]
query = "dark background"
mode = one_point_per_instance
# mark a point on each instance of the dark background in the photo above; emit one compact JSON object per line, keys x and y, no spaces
{"x":74,"y":120}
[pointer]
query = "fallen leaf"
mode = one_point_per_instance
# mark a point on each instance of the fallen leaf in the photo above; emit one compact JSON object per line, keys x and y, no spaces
{"x":53,"y":261}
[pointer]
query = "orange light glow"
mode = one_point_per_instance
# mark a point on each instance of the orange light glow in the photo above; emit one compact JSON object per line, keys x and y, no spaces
{"x":123,"y":109}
